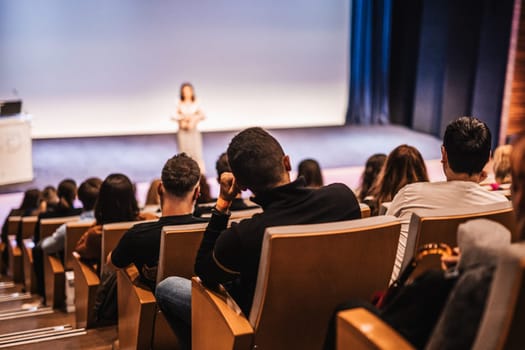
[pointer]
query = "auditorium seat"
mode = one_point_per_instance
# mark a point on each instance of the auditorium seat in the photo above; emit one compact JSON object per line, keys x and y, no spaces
{"x":87,"y":279}
{"x":14,"y":252}
{"x":501,"y":325}
{"x":54,"y":274}
{"x":440,"y":226}
{"x":141,"y":324}
{"x":54,"y":269}
{"x":365,"y":210}
{"x":305,"y":271}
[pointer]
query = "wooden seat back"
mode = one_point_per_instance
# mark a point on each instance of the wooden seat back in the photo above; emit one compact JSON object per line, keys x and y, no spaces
{"x":50,"y":225}
{"x":137,"y":306}
{"x":74,"y":230}
{"x":28,"y":226}
{"x":441,"y":225}
{"x":178,"y":250}
{"x":111,"y":235}
{"x":365,"y":210}
{"x":502,"y":323}
{"x":305,"y":271}
{"x":13,"y":225}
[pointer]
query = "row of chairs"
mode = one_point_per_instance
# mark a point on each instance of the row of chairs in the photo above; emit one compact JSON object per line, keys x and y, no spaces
{"x":305,"y":271}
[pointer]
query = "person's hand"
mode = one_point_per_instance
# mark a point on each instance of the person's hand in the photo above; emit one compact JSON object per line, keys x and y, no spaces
{"x":229,"y":188}
{"x":452,"y":260}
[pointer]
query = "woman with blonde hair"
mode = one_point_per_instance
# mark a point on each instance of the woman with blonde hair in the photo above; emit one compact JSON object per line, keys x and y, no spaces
{"x":501,"y":167}
{"x":403,"y":166}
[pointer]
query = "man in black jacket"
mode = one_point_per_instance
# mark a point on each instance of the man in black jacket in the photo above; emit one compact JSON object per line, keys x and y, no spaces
{"x":232,"y":254}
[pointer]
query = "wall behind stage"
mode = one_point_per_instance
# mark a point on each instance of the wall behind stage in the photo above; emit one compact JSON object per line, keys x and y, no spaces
{"x":99,"y":67}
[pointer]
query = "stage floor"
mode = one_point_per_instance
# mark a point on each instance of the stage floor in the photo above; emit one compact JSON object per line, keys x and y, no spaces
{"x":341,"y":151}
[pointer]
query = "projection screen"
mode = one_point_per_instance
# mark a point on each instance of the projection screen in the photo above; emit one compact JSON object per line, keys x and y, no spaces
{"x":114,"y":67}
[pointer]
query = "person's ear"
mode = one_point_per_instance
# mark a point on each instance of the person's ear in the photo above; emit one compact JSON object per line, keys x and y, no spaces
{"x":286,"y":163}
{"x":196,"y":193}
{"x":160,"y":189}
{"x":444,"y":156}
{"x":482,"y":176}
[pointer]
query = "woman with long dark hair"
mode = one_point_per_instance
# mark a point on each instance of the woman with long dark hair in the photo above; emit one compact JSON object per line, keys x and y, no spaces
{"x":116,"y":203}
{"x":403,"y":166}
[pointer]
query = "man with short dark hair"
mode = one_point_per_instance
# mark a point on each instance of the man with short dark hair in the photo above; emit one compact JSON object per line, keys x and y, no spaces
{"x":259,"y":164}
{"x":178,"y":191}
{"x":465,"y":151}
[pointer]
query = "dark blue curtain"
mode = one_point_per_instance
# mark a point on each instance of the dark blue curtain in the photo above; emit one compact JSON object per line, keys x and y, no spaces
{"x":369,"y":62}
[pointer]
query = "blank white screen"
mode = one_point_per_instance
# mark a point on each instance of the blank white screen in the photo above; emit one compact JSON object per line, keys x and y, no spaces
{"x":108,"y":67}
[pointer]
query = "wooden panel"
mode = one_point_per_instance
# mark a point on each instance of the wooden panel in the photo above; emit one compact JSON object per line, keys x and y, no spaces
{"x":515,"y":91}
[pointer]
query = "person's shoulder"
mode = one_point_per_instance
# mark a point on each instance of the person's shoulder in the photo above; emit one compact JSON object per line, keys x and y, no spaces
{"x":336,"y":189}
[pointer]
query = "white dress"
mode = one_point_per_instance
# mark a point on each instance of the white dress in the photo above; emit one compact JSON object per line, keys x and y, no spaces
{"x":189,"y":138}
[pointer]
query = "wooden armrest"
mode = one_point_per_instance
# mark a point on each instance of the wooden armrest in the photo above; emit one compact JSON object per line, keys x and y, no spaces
{"x":216,"y":321}
{"x":86,"y":284}
{"x":87,"y":272}
{"x":55,"y":278}
{"x":136,"y":310}
{"x":360,"y":329}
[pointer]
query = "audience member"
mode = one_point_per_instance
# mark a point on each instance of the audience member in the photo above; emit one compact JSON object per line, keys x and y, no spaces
{"x":54,"y":244}
{"x":259,"y":164}
{"x":152,"y":198}
{"x":178,"y":192}
{"x":205,"y":192}
{"x":66,"y":192}
{"x":28,"y":207}
{"x":311,"y":171}
{"x":116,"y":203}
{"x":404,"y":166}
{"x":465,"y":151}
{"x":49,"y":198}
{"x":87,"y":194}
{"x":372,"y":168}
{"x":501,"y":167}
{"x":222,"y":166}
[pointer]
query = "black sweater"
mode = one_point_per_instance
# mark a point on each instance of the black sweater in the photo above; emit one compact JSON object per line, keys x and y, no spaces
{"x":233,"y":254}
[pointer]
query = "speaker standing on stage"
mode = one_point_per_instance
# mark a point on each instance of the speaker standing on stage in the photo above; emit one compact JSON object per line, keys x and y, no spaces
{"x":189,"y":114}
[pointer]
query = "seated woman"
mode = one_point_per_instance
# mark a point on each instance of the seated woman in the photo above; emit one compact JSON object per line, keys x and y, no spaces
{"x":372,"y":168}
{"x":501,"y":167}
{"x":116,"y":203}
{"x":311,"y":171}
{"x":403,"y":166}
{"x":28,"y":207}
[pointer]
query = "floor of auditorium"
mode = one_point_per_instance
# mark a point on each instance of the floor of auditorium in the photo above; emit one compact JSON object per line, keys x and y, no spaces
{"x":57,"y":320}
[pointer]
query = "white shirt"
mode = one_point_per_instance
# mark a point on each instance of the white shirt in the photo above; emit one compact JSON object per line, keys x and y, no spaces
{"x":435,"y":195}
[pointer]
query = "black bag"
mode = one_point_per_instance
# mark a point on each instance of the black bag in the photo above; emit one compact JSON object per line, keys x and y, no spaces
{"x":106,"y":305}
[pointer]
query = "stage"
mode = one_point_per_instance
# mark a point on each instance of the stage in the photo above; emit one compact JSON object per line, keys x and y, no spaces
{"x":341,"y":151}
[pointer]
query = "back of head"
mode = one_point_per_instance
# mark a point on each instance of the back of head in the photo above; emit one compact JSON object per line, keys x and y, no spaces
{"x":311,"y":171}
{"x":67,"y":191}
{"x":256,"y":159}
{"x":467,"y":142}
{"x":222,"y":165}
{"x":180,"y":175}
{"x":116,"y":200}
{"x":403,"y":166}
{"x":372,"y":169}
{"x":31,"y":199}
{"x":501,"y":164}
{"x":49,"y":195}
{"x":88,"y":192}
